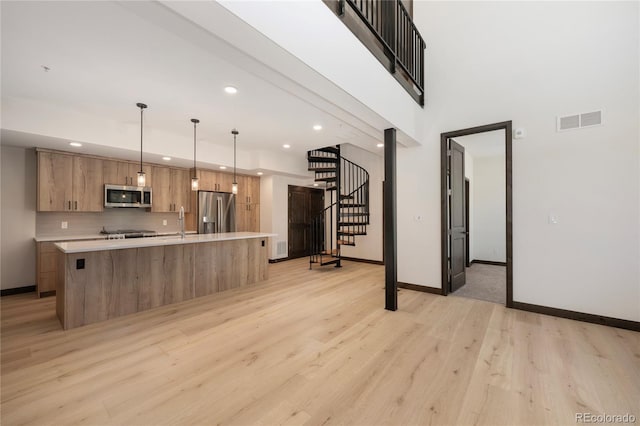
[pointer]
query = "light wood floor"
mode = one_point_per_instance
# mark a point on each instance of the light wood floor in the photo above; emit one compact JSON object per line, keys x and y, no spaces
{"x":314,"y":347}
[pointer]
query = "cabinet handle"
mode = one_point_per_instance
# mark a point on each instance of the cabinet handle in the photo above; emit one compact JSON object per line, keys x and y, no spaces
{"x":69,"y":204}
{"x":75,"y":205}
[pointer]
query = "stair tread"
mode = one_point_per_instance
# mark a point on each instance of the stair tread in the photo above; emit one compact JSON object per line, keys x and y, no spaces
{"x":352,"y":223}
{"x":349,"y":205}
{"x":354,"y":233}
{"x":326,"y":179}
{"x":331,"y":149}
{"x":322,"y":169}
{"x":353,"y":214}
{"x":322,"y":159}
{"x":330,"y":262}
{"x":346,"y":243}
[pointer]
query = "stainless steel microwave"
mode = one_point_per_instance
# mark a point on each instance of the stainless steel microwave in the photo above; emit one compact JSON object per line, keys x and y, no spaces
{"x":127,"y":196}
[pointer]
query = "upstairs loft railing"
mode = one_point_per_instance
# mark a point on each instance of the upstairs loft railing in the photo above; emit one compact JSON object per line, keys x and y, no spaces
{"x":391,"y":24}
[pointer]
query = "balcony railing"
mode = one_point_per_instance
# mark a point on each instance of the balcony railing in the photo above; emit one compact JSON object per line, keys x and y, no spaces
{"x":403,"y":46}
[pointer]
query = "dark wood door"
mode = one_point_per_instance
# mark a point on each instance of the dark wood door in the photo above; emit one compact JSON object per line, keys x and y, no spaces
{"x":467,"y":250}
{"x":304,"y":204}
{"x":457,"y":216}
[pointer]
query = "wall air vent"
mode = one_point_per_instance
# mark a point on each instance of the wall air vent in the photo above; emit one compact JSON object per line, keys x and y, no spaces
{"x":281,"y":248}
{"x":577,"y":121}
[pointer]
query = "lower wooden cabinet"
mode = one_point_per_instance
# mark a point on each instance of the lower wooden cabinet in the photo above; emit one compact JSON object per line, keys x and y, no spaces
{"x":46,"y":268}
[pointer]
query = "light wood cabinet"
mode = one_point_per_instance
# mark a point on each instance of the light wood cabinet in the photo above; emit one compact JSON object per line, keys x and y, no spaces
{"x":87,"y":184}
{"x":125,"y":173}
{"x":55,"y":182}
{"x":247,"y":217}
{"x":69,"y":183}
{"x":248,"y":189}
{"x":248,"y":204}
{"x":209,"y":180}
{"x":171,"y":189}
{"x":46,"y":268}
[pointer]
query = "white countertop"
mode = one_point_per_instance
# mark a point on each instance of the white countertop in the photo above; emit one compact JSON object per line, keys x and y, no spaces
{"x":96,"y":236}
{"x":100,"y":245}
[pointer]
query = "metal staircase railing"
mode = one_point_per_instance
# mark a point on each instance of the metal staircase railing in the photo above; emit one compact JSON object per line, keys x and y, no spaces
{"x":346,"y":214}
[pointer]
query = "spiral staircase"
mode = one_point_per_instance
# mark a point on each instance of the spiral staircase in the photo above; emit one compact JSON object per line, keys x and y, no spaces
{"x":346,"y":212}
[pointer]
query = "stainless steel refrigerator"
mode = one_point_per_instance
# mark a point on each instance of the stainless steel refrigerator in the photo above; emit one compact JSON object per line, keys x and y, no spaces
{"x":216,"y":212}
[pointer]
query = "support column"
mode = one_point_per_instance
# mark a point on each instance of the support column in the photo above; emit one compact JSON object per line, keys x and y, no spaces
{"x":390,"y":222}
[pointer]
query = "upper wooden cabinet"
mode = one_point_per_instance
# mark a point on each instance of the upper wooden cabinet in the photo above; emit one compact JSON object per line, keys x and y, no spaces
{"x":125,"y":173}
{"x":88,"y":184}
{"x":209,"y":180}
{"x":171,"y":189}
{"x":248,"y":190}
{"x":69,"y":183}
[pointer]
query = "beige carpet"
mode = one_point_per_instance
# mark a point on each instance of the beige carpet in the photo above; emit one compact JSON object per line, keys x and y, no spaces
{"x":485,"y":282}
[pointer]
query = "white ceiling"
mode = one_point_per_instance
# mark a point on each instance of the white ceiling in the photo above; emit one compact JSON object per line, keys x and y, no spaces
{"x":103,"y":58}
{"x":488,"y":144}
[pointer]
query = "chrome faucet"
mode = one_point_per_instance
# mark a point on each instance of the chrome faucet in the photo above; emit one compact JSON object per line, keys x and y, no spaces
{"x":181,"y":221}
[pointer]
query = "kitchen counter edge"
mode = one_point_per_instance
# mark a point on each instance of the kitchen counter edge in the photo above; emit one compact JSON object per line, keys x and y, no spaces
{"x":102,"y":245}
{"x":80,"y":237}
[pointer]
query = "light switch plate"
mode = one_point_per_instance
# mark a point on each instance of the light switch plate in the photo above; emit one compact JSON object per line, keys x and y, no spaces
{"x":164,"y":222}
{"x":64,"y":225}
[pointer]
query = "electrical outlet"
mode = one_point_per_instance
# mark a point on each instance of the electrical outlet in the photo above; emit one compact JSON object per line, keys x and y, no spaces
{"x":164,"y":222}
{"x":64,"y":225}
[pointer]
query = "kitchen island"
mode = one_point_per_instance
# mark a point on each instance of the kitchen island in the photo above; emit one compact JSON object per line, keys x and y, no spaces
{"x":99,"y":280}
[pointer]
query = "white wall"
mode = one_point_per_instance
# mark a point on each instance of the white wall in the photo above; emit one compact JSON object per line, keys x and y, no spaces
{"x":530,"y":62}
{"x":18,"y":255}
{"x":489,"y":201}
{"x":368,"y":246}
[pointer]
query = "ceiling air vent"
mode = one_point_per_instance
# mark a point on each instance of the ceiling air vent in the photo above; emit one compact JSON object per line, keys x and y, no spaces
{"x":577,"y":121}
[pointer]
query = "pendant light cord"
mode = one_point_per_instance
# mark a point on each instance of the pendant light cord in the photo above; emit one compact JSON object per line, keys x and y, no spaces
{"x":195,"y":122}
{"x":235,"y":133}
{"x":142,"y":107}
{"x":141,"y":127}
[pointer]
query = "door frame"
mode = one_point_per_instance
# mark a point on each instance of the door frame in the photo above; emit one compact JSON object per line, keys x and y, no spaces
{"x":467,"y":216}
{"x":444,"y":205}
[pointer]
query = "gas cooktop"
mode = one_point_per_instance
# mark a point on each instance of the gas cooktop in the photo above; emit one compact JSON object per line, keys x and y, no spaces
{"x":128,"y":233}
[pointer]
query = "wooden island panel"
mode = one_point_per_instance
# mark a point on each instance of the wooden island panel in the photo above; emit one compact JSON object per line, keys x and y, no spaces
{"x":124,"y":281}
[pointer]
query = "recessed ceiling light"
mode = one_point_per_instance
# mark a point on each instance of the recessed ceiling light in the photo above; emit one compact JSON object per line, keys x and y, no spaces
{"x":286,"y":146}
{"x":380,"y":145}
{"x":166,"y":158}
{"x":317,"y":127}
{"x":223,"y":167}
{"x":76,"y":144}
{"x":259,"y":173}
{"x":231,"y":90}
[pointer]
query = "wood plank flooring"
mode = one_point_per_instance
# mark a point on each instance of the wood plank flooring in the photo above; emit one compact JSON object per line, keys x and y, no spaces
{"x":317,"y":348}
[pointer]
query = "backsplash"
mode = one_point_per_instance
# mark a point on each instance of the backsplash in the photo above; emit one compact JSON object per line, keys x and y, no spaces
{"x":49,"y":223}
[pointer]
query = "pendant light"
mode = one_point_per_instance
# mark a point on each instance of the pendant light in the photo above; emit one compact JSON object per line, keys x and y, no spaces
{"x":234,"y":186}
{"x":194,"y":179}
{"x":141,"y":178}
